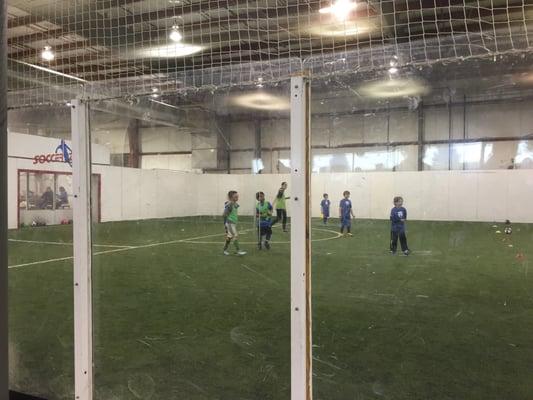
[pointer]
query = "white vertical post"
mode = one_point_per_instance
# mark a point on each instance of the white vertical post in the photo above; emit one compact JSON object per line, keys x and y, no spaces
{"x":81,"y":180}
{"x":301,"y":345}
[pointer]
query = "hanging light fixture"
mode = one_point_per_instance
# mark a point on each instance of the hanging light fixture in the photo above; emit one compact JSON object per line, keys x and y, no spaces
{"x":393,"y":65}
{"x":175,"y":34}
{"x":341,"y":9}
{"x":47,"y":54}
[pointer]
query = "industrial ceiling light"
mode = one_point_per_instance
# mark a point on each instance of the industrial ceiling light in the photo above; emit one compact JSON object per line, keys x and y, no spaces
{"x":175,"y":34}
{"x":173,"y":50}
{"x":345,"y":29}
{"x":261,"y":101}
{"x":393,"y":88}
{"x":341,"y":9}
{"x":47,"y":54}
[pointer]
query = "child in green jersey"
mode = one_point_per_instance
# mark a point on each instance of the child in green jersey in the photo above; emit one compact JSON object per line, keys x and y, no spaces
{"x":231,"y":218}
{"x":281,"y":206}
{"x":263,"y":213}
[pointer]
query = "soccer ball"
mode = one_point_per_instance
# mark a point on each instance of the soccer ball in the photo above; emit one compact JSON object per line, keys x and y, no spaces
{"x":508,"y":230}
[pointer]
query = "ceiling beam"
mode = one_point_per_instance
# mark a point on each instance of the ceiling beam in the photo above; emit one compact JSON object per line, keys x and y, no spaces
{"x":54,"y":33}
{"x":23,"y":21}
{"x":107,"y":4}
{"x":31,"y":53}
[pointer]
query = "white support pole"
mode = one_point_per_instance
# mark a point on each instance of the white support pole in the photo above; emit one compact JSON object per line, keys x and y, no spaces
{"x":81,"y":180}
{"x":301,"y":345}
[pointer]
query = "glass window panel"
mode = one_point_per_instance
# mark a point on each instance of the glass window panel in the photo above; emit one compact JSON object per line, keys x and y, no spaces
{"x":393,"y":324}
{"x":41,"y":346}
{"x":173,"y":316}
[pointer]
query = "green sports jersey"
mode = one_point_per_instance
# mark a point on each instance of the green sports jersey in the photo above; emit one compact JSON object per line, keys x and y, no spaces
{"x":280,"y":201}
{"x":264,"y":210}
{"x":231,"y":213}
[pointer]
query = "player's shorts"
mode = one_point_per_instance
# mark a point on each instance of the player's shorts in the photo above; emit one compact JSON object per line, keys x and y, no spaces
{"x":325,"y":214}
{"x":231,"y":230}
{"x":346,"y":222}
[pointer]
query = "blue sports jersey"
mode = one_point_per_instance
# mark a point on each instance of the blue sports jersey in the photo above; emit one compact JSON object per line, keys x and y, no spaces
{"x":324,"y":205}
{"x":346,"y":208}
{"x":397,"y":214}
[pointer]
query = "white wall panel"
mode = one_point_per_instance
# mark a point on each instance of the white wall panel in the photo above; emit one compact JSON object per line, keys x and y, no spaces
{"x":382,"y":189}
{"x":520,"y":193}
{"x":130,"y":194}
{"x":130,"y":181}
{"x":492,"y":192}
{"x":359,"y":186}
{"x":462,"y":196}
{"x":111,"y":193}
{"x":150,"y":199}
{"x":433,"y":200}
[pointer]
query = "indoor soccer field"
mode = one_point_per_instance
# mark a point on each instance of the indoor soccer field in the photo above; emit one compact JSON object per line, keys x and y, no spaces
{"x":175,"y":319}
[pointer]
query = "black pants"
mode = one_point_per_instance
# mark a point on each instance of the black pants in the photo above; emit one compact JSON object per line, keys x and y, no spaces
{"x":394,"y":236}
{"x":266,"y":232}
{"x":281,"y":215}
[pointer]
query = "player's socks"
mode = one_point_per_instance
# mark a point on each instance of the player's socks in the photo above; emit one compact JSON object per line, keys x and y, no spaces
{"x":236,"y":244}
{"x":267,"y":245}
{"x":226,"y":245}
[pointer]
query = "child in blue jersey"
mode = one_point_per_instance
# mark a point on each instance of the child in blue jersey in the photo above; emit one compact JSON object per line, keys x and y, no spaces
{"x":324,"y":207}
{"x":263,"y":213}
{"x":398,"y":216}
{"x":346,"y":214}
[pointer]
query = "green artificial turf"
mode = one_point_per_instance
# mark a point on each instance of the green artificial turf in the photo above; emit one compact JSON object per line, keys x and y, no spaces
{"x":180,"y":321}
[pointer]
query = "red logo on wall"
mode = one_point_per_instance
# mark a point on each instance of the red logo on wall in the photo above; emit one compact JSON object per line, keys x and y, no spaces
{"x":63,"y":154}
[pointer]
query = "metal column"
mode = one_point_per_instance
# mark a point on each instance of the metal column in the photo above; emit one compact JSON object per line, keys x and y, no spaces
{"x":301,"y":342}
{"x":81,"y":179}
{"x":4,"y":370}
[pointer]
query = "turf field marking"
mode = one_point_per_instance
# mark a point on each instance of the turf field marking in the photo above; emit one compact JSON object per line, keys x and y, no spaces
{"x":63,"y":243}
{"x":40,"y":262}
{"x":115,"y":250}
{"x":194,"y":240}
{"x":337,"y":235}
{"x":260,"y":274}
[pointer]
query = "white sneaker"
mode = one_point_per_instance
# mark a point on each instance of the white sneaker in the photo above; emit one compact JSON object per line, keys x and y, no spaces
{"x":241,"y":253}
{"x":226,"y":253}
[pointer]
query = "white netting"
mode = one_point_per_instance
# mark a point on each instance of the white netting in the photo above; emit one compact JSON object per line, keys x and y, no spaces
{"x":118,"y":48}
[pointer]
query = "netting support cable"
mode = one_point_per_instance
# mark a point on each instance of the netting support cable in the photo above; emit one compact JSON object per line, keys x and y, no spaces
{"x":4,"y":370}
{"x":81,"y":180}
{"x":301,"y":342}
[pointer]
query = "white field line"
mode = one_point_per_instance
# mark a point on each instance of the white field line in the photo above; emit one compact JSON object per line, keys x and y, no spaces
{"x":125,"y":248}
{"x":64,"y":243}
{"x":195,"y":240}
